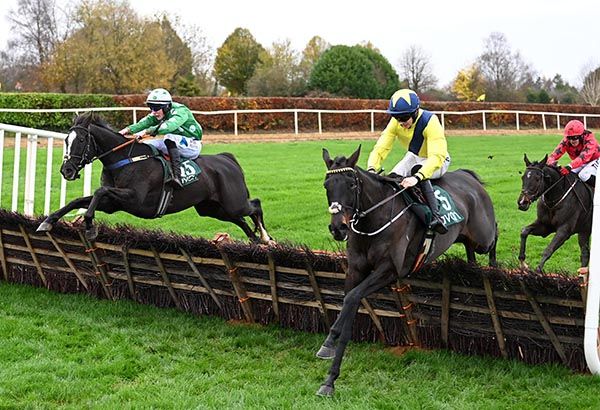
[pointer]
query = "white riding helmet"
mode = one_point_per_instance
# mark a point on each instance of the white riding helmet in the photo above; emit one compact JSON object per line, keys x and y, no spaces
{"x":159,"y":96}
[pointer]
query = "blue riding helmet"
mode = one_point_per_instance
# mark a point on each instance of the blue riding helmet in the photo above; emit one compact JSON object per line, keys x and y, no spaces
{"x":403,"y":102}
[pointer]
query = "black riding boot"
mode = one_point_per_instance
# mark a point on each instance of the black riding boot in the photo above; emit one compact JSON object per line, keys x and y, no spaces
{"x":436,"y":223}
{"x":175,"y":163}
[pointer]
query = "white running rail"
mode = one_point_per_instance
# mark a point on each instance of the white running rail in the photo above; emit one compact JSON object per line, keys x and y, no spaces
{"x":33,"y":137}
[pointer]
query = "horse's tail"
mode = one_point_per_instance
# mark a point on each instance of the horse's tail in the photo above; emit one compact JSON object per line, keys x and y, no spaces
{"x":474,"y":175}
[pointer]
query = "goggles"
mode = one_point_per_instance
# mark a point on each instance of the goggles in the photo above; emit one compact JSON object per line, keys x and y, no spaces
{"x":154,"y":107}
{"x":402,"y":117}
{"x":574,"y":137}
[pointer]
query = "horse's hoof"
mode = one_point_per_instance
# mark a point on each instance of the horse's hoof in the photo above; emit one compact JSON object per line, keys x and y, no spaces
{"x":584,"y":270}
{"x":91,"y":234}
{"x":325,"y":391}
{"x":524,"y":265}
{"x":326,"y":353}
{"x":44,"y":227}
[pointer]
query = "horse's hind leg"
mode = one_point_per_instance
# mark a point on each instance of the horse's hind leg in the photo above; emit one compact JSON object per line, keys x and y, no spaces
{"x":256,"y":214}
{"x":217,"y":211}
{"x":492,"y":251}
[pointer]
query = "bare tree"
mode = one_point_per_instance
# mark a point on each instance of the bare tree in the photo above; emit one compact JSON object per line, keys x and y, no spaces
{"x":505,"y":72}
{"x":590,"y":90}
{"x":415,"y":69}
{"x":34,"y":28}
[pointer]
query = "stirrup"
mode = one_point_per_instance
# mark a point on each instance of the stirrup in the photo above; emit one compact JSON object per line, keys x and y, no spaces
{"x":438,"y":226}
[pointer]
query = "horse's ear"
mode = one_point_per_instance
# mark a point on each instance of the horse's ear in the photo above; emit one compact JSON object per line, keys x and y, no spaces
{"x":354,"y":158}
{"x":327,"y":158}
{"x":527,"y":162}
{"x":545,"y":160}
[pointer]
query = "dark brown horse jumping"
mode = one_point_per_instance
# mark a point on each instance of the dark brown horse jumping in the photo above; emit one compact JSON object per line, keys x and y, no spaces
{"x":564,"y":206}
{"x":134,"y":184}
{"x":384,"y":239}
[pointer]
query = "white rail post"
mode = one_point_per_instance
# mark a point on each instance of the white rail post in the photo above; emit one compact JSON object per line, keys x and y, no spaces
{"x":558,"y":121}
{"x":16,"y":165}
{"x":320,"y":124}
{"x":544,"y":121}
{"x":48,"y":190}
{"x":590,"y":338}
{"x":235,"y":123}
{"x":443,"y":122}
{"x":134,"y":115}
{"x":31,"y":160}
{"x":296,"y":122}
{"x":483,"y":118}
{"x":372,"y":121}
{"x":517,"y":118}
{"x":63,"y":183}
{"x":585,"y":122}
{"x":1,"y":162}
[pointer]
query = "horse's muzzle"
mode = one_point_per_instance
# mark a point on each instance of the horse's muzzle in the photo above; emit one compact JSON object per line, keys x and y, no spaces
{"x":339,"y":232}
{"x":69,"y":171}
{"x":523,"y":202}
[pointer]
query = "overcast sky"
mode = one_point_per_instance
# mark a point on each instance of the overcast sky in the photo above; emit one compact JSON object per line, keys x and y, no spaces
{"x":552,"y":36}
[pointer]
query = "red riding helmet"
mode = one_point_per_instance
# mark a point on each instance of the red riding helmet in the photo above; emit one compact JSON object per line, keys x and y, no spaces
{"x":574,"y":128}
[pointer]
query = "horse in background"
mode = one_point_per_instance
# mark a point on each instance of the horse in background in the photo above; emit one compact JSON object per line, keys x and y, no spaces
{"x":564,"y":206}
{"x":384,"y":238}
{"x":133,"y":180}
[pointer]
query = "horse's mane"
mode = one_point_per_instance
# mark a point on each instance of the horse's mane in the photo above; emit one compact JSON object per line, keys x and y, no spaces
{"x":91,"y":117}
{"x":473,"y":174}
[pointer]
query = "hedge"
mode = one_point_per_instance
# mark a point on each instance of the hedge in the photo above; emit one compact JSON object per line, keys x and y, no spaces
{"x":282,"y":122}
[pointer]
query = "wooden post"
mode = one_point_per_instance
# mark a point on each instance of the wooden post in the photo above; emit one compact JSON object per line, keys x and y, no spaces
{"x":99,"y":270}
{"x":273,"y":281}
{"x":445,"y":315}
{"x":405,"y":307}
{"x":489,"y":294}
{"x":369,"y":309}
{"x":544,"y":322}
{"x":68,"y":261}
{"x":165,"y":277}
{"x":374,"y":318}
{"x":130,"y":282}
{"x":583,"y":287}
{"x":3,"y":258}
{"x":318,"y":296}
{"x":36,"y":262}
{"x":205,"y":283}
{"x":238,"y":286}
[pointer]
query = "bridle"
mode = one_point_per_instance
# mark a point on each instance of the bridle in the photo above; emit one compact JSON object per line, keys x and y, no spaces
{"x":87,"y":156}
{"x":84,"y":158}
{"x":357,"y":214}
{"x":540,"y":187}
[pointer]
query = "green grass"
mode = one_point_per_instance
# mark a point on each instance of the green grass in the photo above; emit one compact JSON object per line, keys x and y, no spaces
{"x":288,"y":178}
{"x":72,"y":351}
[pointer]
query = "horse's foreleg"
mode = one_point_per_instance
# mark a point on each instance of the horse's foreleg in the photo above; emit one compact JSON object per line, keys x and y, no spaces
{"x":51,"y":219}
{"x":105,"y":198}
{"x":536,"y":229}
{"x":378,"y":279}
{"x":584,"y":247}
{"x":561,"y":236}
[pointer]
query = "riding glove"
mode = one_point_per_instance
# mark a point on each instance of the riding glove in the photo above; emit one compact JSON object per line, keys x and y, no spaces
{"x":565,"y":170}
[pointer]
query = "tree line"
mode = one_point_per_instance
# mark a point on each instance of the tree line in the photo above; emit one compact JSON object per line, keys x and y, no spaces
{"x":104,"y":46}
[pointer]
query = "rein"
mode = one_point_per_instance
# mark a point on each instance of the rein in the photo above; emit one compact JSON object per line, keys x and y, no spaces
{"x":357,"y":213}
{"x":542,"y":196}
{"x":84,"y":160}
